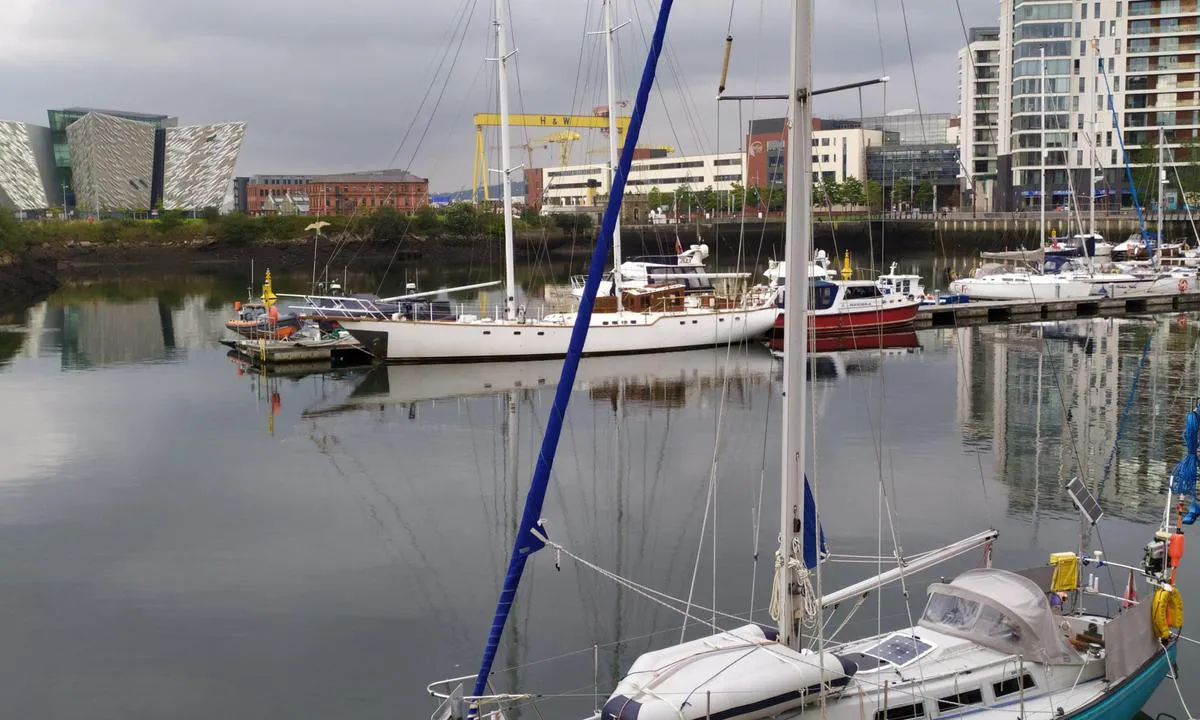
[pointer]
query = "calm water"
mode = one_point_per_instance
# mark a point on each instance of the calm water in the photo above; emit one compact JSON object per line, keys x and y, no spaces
{"x":181,"y":538}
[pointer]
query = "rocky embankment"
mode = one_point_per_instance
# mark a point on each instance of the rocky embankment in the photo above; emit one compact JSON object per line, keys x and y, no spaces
{"x":25,"y":281}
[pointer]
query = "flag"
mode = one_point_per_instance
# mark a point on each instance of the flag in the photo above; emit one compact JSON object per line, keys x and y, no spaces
{"x":987,"y":555}
{"x":678,"y":246}
{"x":1130,"y":593}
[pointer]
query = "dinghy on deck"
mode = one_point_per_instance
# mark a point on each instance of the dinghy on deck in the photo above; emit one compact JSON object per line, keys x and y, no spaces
{"x":741,"y":673}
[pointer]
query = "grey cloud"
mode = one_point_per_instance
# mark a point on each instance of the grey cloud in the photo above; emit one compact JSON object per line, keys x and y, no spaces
{"x":325,"y":89}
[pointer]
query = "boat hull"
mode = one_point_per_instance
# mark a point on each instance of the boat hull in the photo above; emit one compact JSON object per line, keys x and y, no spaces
{"x":622,"y":333}
{"x":1132,"y":693}
{"x":1020,"y":289}
{"x":855,"y":321}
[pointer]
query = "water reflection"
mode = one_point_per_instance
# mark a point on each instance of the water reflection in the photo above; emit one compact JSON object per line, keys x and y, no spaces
{"x":353,"y":526}
{"x":1049,"y":400}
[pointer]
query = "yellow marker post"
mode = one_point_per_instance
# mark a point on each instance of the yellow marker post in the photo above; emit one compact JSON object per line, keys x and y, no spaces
{"x":846,"y":271}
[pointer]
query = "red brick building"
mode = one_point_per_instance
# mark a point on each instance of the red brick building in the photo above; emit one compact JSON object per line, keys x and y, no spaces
{"x":367,"y":191}
{"x":339,"y":194}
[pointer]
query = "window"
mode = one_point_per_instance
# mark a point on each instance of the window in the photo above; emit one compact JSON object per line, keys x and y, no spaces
{"x":1010,"y":686}
{"x":1118,"y":8}
{"x":903,"y":712}
{"x":951,"y":703}
{"x":1083,"y":11}
{"x":825,"y":142}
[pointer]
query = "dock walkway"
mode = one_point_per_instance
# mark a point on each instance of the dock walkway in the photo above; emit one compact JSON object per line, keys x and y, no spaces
{"x":989,"y":312}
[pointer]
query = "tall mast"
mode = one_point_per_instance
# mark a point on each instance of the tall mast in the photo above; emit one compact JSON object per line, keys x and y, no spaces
{"x":1042,"y":172}
{"x":613,"y":150}
{"x":1093,"y":155}
{"x":510,"y":272}
{"x":795,"y":332}
{"x":1162,"y":179}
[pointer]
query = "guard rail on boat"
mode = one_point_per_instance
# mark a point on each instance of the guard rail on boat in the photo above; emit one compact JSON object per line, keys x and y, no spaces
{"x":336,"y":306}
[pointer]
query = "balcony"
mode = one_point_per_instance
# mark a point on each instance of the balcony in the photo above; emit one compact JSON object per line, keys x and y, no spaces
{"x":1162,"y":27}
{"x":1149,"y":46}
{"x":1158,"y":8}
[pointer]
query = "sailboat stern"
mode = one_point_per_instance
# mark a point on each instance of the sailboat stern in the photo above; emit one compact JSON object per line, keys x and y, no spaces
{"x":737,"y":675}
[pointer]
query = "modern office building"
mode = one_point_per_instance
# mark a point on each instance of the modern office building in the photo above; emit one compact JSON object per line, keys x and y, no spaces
{"x":110,"y":160}
{"x":1116,"y":71}
{"x":979,"y":116}
{"x":26,"y":168}
{"x":839,"y":151}
{"x":578,"y":185}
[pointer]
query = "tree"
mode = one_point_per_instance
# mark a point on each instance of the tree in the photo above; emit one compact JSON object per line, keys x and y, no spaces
{"x":852,"y":191}
{"x":387,"y":224}
{"x":874,"y":195}
{"x":708,"y":199}
{"x":237,"y":229}
{"x":925,"y":195}
{"x":12,"y":232}
{"x":426,"y":219}
{"x":901,"y":192}
{"x":684,"y":197}
{"x":655,"y":198}
{"x":462,"y":219}
{"x":754,"y":197}
{"x":737,"y":197}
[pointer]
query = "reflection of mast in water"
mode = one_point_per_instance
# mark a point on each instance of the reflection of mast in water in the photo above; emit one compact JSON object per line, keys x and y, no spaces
{"x":509,"y":429}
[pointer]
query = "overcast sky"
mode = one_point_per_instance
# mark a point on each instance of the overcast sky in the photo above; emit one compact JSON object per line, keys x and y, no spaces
{"x":334,"y":86}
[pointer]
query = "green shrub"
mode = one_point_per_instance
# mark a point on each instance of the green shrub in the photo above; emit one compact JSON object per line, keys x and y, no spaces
{"x":238,"y":229}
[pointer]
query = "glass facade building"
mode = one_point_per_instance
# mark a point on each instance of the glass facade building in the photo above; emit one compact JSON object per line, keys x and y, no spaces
{"x":61,"y":119}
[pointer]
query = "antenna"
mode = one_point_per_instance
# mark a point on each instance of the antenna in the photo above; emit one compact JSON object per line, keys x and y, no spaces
{"x":1084,"y":501}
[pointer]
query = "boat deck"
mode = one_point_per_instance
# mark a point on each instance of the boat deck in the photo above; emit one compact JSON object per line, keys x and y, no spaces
{"x":990,"y":312}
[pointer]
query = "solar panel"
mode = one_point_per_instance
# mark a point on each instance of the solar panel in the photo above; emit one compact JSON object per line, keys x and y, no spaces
{"x":1084,"y":500}
{"x":900,"y":650}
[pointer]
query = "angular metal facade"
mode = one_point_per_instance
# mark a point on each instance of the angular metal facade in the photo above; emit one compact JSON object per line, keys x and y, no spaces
{"x":112,"y":162}
{"x":199,"y":164}
{"x":23,"y":166}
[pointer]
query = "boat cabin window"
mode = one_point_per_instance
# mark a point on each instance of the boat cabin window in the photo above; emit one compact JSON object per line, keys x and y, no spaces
{"x":822,"y":295}
{"x":956,"y":613}
{"x":950,"y":703}
{"x":861,"y":292}
{"x":902,"y":712}
{"x":1010,"y":686}
{"x":900,"y":650}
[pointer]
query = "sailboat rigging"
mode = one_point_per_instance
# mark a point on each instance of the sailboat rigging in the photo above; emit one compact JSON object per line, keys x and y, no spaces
{"x":658,"y":317}
{"x":989,"y":640}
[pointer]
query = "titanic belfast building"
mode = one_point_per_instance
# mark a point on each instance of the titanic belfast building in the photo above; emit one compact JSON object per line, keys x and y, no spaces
{"x":91,"y":160}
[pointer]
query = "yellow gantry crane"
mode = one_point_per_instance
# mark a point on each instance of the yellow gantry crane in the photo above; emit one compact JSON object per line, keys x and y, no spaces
{"x":559,"y":123}
{"x":562,"y":139}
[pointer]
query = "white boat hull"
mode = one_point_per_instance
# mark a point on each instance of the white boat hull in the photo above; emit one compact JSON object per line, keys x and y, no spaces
{"x":1031,"y":288}
{"x":415,"y":341}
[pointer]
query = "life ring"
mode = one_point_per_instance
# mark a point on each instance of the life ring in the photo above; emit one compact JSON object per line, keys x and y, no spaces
{"x":1181,"y":321}
{"x":1166,"y":611}
{"x":1183,"y":285}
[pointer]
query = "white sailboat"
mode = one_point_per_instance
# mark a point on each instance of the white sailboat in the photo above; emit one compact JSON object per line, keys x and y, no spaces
{"x":656,"y":318}
{"x":989,"y":644}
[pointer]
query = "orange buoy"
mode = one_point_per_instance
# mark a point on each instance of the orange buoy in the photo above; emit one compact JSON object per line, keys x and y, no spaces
{"x":1183,"y":285}
{"x":275,"y":403}
{"x":237,"y":305}
{"x":1175,"y":553}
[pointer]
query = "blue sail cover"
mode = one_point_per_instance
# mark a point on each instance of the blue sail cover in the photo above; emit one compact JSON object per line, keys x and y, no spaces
{"x":526,"y":543}
{"x":1183,"y":477}
{"x":812,"y":532}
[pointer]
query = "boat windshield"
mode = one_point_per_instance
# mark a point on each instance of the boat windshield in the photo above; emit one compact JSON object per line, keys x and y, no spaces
{"x":1000,"y":610}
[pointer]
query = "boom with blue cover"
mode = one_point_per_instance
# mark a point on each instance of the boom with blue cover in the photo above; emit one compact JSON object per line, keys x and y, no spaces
{"x":526,"y":542}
